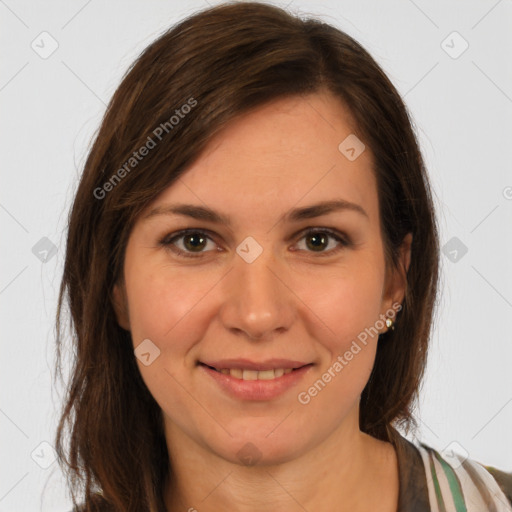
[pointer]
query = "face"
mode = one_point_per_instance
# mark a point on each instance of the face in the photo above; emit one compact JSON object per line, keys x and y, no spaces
{"x":275,"y":296}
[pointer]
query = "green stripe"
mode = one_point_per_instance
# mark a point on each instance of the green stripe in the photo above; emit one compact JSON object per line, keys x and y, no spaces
{"x":453,"y":481}
{"x":439,"y":496}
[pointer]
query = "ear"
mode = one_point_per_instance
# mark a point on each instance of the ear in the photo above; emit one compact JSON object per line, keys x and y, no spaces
{"x":396,"y":278}
{"x":120,"y":303}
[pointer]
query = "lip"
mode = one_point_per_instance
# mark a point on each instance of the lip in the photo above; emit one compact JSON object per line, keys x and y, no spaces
{"x":246,"y":364}
{"x":256,"y":390}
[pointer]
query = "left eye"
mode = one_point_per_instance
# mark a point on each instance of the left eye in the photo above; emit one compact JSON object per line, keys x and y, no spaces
{"x":317,"y":238}
{"x":192,"y":243}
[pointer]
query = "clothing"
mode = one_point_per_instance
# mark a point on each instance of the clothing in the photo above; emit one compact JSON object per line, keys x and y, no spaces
{"x":430,"y":482}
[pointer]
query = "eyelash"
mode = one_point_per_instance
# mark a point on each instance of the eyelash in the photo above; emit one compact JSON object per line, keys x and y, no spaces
{"x":168,"y":240}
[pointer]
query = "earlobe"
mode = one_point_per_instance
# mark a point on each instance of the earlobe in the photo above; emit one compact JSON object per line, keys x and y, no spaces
{"x":120,"y":306}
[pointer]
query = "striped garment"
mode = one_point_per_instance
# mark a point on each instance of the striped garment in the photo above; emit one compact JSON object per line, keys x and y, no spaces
{"x":430,"y":482}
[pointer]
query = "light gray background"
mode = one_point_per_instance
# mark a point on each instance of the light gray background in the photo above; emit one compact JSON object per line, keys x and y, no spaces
{"x":462,"y":107}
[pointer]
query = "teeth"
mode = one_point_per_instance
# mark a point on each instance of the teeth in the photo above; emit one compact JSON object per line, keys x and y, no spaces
{"x":255,"y":375}
{"x":236,"y":372}
{"x":250,"y":375}
{"x":264,"y":375}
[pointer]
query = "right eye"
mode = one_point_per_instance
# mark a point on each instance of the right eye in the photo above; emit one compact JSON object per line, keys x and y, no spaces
{"x":188,"y":242}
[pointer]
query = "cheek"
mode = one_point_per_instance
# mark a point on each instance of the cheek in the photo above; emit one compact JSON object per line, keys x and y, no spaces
{"x":162,"y":303}
{"x":347,"y":303}
{"x":168,"y":309}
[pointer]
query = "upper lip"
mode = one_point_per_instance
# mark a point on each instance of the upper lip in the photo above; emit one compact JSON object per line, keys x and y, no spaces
{"x":246,"y":364}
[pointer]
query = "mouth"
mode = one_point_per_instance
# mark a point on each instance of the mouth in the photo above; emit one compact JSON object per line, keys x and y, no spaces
{"x":246,"y":380}
{"x":251,"y":374}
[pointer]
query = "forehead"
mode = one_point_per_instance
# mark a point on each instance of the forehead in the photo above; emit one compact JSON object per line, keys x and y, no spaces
{"x":283,"y":154}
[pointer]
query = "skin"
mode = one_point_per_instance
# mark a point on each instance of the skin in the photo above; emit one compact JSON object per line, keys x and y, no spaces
{"x":291,"y":302}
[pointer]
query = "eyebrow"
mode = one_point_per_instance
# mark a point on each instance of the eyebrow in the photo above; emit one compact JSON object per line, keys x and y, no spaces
{"x":294,"y":215}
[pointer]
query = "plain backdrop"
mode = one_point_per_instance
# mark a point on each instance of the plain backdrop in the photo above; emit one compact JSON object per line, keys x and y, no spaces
{"x":61,"y":62}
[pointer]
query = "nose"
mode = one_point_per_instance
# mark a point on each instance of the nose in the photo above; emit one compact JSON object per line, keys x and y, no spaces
{"x":258,"y":305}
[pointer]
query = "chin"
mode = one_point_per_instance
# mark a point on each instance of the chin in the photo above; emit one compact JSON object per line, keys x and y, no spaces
{"x":261,"y":445}
{"x":257,"y":454}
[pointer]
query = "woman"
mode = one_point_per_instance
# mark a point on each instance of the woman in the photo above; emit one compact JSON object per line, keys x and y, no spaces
{"x":251,"y":270}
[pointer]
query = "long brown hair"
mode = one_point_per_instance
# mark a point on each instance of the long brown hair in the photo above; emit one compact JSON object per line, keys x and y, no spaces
{"x":182,"y":89}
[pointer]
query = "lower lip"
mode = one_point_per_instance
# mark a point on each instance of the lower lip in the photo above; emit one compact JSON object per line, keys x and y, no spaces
{"x":256,"y":389}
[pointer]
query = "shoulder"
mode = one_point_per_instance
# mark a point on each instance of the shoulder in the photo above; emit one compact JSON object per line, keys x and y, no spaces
{"x":466,"y":481}
{"x":504,"y":480}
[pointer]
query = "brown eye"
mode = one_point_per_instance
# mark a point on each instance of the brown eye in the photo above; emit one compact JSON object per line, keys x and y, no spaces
{"x":189,"y":243}
{"x":317,"y":241}
{"x":194,"y":241}
{"x":324,"y":241}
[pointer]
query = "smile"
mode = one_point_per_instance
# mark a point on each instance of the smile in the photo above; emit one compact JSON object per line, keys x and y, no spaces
{"x":252,"y":384}
{"x":245,"y":374}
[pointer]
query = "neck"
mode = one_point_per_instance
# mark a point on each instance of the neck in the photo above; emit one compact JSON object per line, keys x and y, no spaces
{"x":348,"y":471}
